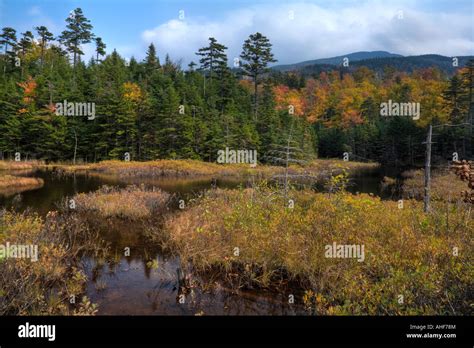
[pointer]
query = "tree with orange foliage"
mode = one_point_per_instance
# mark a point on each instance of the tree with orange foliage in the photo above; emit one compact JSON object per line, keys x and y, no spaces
{"x":29,"y":90}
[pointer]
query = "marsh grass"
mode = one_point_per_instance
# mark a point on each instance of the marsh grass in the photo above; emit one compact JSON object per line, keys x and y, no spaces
{"x":13,"y":165}
{"x":11,"y":182}
{"x":185,"y":168}
{"x":161,"y":168}
{"x":11,"y":185}
{"x":407,"y":252}
{"x":337,"y":165}
{"x":132,"y":202}
{"x":45,"y":287}
{"x":445,"y":186}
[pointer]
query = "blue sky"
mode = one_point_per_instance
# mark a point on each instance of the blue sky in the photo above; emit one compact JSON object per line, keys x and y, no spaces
{"x":299,"y":30}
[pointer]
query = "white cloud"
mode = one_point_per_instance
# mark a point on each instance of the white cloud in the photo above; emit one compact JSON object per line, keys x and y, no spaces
{"x":38,"y":18}
{"x":89,"y":51}
{"x":317,"y":32}
{"x":34,"y":11}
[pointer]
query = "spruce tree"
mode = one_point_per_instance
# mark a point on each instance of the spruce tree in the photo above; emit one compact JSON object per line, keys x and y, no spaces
{"x":455,"y":97}
{"x":152,"y":62}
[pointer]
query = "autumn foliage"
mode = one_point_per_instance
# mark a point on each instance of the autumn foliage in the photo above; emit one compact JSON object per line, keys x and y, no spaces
{"x":341,"y":101}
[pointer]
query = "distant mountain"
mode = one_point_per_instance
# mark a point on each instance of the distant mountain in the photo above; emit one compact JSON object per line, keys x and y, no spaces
{"x":353,"y":57}
{"x":411,"y":63}
{"x":377,"y":62}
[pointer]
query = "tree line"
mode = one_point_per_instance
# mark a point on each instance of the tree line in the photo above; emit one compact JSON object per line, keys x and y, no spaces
{"x":345,"y":110}
{"x":156,"y":109}
{"x":149,"y":109}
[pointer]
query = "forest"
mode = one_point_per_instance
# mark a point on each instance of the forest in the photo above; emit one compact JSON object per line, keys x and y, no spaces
{"x":229,"y":186}
{"x":155,"y":108}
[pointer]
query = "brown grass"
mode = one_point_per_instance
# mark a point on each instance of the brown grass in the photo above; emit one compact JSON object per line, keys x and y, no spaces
{"x":132,"y":202}
{"x":13,"y":165}
{"x":337,"y":164}
{"x":185,"y":168}
{"x":445,"y":186}
{"x":14,"y":184}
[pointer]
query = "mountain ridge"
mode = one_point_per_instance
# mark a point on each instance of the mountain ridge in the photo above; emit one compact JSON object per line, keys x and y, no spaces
{"x":337,"y":60}
{"x":377,"y":61}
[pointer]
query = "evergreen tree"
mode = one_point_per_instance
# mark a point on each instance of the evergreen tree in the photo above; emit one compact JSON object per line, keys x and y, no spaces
{"x":77,"y":33}
{"x":214,"y":59}
{"x":256,"y":55}
{"x":455,"y":97}
{"x":25,"y":42}
{"x":99,"y":48}
{"x":268,"y":125}
{"x":168,"y":123}
{"x":191,"y":66}
{"x":152,"y":62}
{"x":154,"y":111}
{"x":468,"y":84}
{"x":45,"y":37}
{"x":8,"y":39}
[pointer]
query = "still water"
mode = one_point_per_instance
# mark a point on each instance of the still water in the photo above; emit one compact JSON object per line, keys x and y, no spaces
{"x":146,"y":282}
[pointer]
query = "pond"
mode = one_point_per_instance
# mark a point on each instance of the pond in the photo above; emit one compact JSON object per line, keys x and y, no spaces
{"x":146,"y":282}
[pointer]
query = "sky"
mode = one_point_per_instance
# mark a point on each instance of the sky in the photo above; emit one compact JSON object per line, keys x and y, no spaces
{"x":298,"y":30}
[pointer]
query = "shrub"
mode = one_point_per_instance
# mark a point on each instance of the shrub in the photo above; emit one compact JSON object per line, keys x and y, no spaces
{"x":407,"y":252}
{"x":46,"y":286}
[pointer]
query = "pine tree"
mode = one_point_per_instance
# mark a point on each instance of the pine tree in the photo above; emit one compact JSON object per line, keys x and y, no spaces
{"x":99,"y":48}
{"x":191,"y":66}
{"x":45,"y":37}
{"x":8,"y":39}
{"x":214,"y":59}
{"x":77,"y":33}
{"x":256,"y":55}
{"x":25,"y":42}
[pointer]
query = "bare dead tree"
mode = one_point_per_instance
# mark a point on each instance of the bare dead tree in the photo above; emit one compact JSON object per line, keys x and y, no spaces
{"x":287,"y":154}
